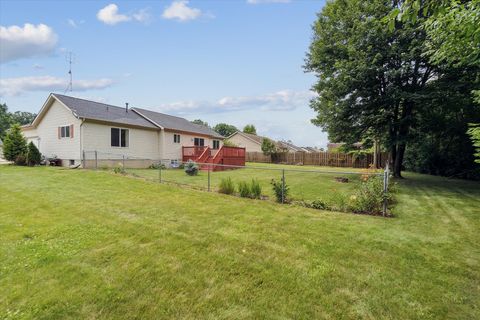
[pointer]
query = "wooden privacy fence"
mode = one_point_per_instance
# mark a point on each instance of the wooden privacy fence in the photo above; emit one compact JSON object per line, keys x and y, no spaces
{"x":332,"y":159}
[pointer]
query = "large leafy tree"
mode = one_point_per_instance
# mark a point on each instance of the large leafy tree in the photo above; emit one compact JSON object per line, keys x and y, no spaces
{"x":372,"y":80}
{"x":453,"y":37}
{"x":22,"y":117}
{"x":250,"y":128}
{"x":225,"y":129}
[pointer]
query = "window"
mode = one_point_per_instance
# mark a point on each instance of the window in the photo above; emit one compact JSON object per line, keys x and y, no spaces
{"x":199,"y":142}
{"x":176,"y":138}
{"x":119,"y":137}
{"x":65,"y":132}
{"x":72,"y":162}
{"x":216,"y":144}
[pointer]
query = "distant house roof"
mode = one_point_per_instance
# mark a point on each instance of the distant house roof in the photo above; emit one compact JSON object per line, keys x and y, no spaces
{"x":98,"y":111}
{"x":259,"y":139}
{"x":289,"y":145}
{"x":175,"y":123}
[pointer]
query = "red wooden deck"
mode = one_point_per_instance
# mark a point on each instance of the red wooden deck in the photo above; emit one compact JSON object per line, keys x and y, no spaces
{"x":233,"y":156}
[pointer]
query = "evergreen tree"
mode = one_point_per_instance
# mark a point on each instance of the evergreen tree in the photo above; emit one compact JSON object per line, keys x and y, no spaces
{"x":14,"y":144}
{"x":33,"y":155}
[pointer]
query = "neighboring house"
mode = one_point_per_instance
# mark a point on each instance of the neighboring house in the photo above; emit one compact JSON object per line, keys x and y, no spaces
{"x":68,"y":128}
{"x":251,"y":142}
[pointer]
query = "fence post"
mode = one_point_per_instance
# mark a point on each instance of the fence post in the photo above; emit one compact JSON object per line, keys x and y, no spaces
{"x":283,"y":185}
{"x":208,"y":178}
{"x":123,"y":161}
{"x":385,"y":189}
{"x":84,"y":165}
{"x":96,"y":160}
{"x":160,"y":172}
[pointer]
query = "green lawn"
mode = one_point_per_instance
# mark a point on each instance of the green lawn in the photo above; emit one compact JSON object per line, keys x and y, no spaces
{"x":315,"y":185}
{"x":78,"y":244}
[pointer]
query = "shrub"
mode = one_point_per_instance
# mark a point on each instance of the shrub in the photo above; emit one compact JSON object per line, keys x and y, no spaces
{"x":21,"y":160}
{"x":282,"y":197}
{"x":119,"y":169}
{"x":158,"y":165}
{"x":191,"y":168}
{"x":244,"y":190}
{"x":33,"y":155}
{"x":228,"y":143}
{"x":255,"y":189}
{"x":14,"y":144}
{"x":369,"y":197}
{"x":339,"y":202}
{"x":226,"y":186}
{"x":316,"y":204}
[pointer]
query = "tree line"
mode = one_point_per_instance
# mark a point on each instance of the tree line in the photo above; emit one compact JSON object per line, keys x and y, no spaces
{"x":225,"y":129}
{"x":7,"y":118}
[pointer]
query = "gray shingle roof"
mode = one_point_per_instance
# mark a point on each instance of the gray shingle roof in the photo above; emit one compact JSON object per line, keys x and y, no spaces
{"x":176,"y":123}
{"x":103,"y":112}
{"x":136,"y":116}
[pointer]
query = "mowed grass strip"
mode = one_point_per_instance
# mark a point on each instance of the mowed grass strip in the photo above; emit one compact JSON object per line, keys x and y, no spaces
{"x":84,"y":244}
{"x":304,"y":182}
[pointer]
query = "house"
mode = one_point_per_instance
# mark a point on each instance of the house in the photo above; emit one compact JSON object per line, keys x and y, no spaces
{"x":76,"y":130}
{"x":251,"y":142}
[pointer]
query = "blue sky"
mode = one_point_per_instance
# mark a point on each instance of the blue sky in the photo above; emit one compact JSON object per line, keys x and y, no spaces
{"x":237,"y":62}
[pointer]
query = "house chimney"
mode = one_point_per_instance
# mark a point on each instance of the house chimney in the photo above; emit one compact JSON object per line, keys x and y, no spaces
{"x":126,"y":106}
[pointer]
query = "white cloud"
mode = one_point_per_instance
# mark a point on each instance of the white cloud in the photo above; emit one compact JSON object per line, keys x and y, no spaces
{"x":16,"y":86}
{"x":37,"y":66}
{"x":143,"y":15}
{"x":179,"y":10}
{"x":109,"y":15}
{"x":17,"y":42}
{"x":278,"y":101}
{"x":75,"y":24}
{"x":267,"y":1}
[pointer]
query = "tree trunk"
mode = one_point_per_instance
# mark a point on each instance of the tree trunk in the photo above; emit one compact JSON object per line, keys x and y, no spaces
{"x":403,"y":130}
{"x":397,"y":168}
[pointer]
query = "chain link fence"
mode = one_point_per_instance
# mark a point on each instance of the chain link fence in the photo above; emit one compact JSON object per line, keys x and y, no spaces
{"x":330,"y":187}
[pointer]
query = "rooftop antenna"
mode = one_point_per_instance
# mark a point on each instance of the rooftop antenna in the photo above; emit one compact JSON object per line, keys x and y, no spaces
{"x":70,"y":57}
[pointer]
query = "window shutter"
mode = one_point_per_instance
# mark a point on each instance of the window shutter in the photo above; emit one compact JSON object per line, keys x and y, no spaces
{"x":71,"y":131}
{"x":59,"y":132}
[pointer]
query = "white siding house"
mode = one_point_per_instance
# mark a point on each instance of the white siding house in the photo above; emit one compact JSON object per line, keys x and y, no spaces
{"x":74,"y":129}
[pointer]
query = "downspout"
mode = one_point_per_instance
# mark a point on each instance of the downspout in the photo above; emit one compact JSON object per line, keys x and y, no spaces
{"x":82,"y":158}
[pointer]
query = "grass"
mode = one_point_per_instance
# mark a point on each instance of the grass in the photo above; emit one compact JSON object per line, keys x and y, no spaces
{"x":318,"y":185}
{"x":84,"y":244}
